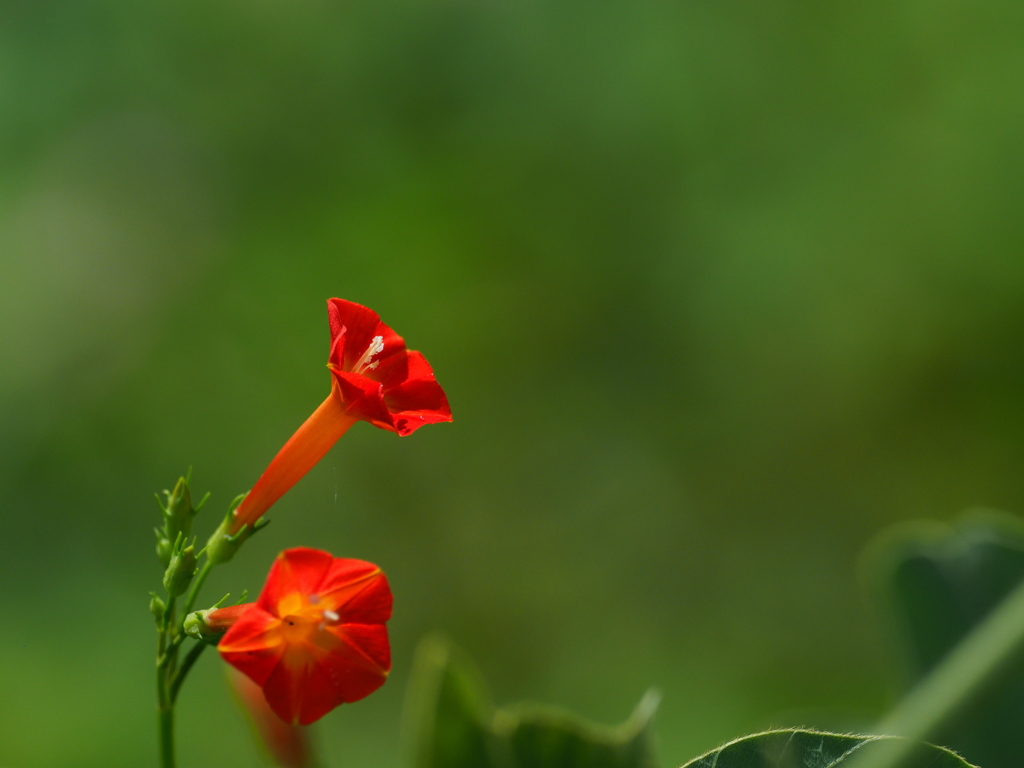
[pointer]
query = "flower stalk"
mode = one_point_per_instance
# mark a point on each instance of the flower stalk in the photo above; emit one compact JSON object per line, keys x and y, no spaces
{"x":180,"y":577}
{"x":166,"y":654}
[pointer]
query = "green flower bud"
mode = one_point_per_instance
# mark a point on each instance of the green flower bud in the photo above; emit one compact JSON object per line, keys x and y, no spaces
{"x":180,"y":570}
{"x":157,"y":607}
{"x":194,"y":625}
{"x":178,"y":514}
{"x":179,"y":505}
{"x":211,"y":624}
{"x":222,"y":545}
{"x":164,"y":547}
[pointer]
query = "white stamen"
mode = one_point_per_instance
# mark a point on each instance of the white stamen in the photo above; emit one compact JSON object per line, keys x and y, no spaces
{"x":375,"y":348}
{"x":332,"y":616}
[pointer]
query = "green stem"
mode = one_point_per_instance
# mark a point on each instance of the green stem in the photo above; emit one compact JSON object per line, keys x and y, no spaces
{"x":197,"y":583}
{"x":961,"y":676}
{"x":169,"y":676}
{"x":165,"y":624}
{"x":186,"y":665}
{"x":166,"y":653}
{"x":165,"y":709}
{"x":167,"y":737}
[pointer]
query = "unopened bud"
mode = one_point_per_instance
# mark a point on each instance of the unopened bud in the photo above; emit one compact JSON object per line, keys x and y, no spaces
{"x":164,"y":547}
{"x":180,"y":570}
{"x":222,"y":544}
{"x":212,"y":623}
{"x":157,"y":607}
{"x":179,"y":505}
{"x":178,"y":514}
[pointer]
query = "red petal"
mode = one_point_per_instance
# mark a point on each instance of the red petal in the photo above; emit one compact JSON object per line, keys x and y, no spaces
{"x":366,"y":601}
{"x":419,"y":368}
{"x":359,"y":325}
{"x":363,"y":398}
{"x":336,"y":357}
{"x":314,"y":678}
{"x":392,"y":369}
{"x":297,"y":691}
{"x":370,"y":603}
{"x":346,"y":579}
{"x":425,"y":403}
{"x":355,"y":323}
{"x":300,"y":569}
{"x":254,"y":644}
{"x":402,"y":408}
{"x":418,"y":400}
{"x":369,"y":646}
{"x":289,"y":744}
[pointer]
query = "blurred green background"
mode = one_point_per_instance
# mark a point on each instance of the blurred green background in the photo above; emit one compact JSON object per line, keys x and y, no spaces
{"x":717,"y":292}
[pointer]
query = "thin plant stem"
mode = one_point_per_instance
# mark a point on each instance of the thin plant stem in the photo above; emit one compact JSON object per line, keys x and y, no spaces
{"x":955,"y":682}
{"x":171,"y":650}
{"x":169,"y":676}
{"x":165,"y":709}
{"x":166,"y":653}
{"x":167,"y":736}
{"x":165,"y":624}
{"x":183,"y":670}
{"x":197,"y":584}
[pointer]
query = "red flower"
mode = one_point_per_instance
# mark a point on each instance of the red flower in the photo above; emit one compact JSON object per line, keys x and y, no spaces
{"x":375,"y":379}
{"x":315,"y":638}
{"x":378,"y":379}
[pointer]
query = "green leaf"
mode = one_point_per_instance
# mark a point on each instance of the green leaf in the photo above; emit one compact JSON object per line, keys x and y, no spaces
{"x":448,"y":712}
{"x":814,"y":749}
{"x":935,"y":583}
{"x":550,"y":738}
{"x":451,"y":723}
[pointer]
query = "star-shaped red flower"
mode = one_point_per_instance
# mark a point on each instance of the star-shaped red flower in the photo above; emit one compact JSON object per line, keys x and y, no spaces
{"x":316,"y":637}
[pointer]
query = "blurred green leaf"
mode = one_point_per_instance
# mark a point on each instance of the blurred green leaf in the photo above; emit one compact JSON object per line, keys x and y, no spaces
{"x":936,"y":583}
{"x":451,"y":723}
{"x":812,"y":749}
{"x":549,"y":738}
{"x":448,"y":712}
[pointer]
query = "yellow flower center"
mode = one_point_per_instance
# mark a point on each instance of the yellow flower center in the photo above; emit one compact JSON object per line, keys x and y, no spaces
{"x":303,"y":617}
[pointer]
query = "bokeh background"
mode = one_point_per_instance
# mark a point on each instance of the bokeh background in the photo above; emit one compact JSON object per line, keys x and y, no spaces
{"x":718,"y":291}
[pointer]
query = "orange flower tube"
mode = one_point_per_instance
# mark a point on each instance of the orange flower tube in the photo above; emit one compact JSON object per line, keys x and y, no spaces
{"x":304,"y":449}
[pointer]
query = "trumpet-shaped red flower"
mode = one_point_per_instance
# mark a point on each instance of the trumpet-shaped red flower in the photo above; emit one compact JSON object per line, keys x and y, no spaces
{"x":378,"y":379}
{"x":316,"y":637}
{"x":375,"y":379}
